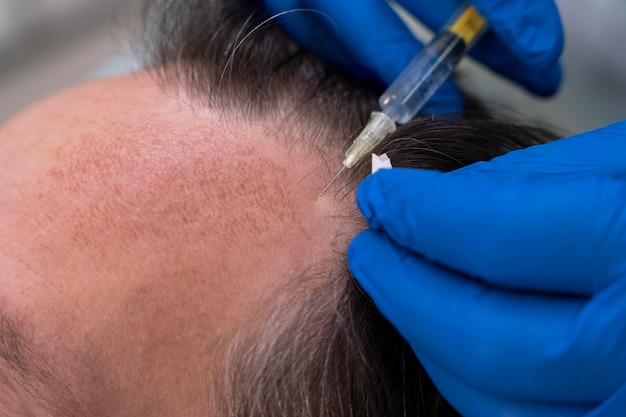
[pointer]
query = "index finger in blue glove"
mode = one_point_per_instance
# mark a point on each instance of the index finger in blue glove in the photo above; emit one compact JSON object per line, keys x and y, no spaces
{"x":532,"y":219}
{"x":513,"y":345}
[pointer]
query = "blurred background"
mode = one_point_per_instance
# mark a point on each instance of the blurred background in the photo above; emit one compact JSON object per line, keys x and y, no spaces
{"x":49,"y":45}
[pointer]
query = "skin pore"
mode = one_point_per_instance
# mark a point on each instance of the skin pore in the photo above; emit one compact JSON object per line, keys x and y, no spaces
{"x":138,"y":233}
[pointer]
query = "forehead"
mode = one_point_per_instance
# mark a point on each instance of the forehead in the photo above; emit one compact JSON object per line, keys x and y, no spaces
{"x":123,"y":179}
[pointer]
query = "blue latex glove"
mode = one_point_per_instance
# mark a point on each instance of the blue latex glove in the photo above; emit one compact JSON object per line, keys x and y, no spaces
{"x":367,"y":38}
{"x":508,"y":277}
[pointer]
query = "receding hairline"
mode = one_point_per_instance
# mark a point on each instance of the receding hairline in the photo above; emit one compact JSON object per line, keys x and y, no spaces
{"x":247,"y":63}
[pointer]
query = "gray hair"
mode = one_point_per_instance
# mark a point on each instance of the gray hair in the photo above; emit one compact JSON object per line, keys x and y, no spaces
{"x":329,"y":353}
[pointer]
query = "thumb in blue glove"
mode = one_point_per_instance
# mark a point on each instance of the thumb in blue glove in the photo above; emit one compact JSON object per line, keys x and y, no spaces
{"x":508,"y":277}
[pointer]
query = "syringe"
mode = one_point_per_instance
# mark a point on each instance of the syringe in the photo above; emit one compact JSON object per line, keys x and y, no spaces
{"x":417,"y":83}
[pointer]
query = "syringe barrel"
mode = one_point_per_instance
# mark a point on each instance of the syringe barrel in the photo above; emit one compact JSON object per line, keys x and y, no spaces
{"x":422,"y":77}
{"x":430,"y":68}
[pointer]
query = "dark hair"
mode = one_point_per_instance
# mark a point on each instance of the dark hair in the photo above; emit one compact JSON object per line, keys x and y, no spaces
{"x":331,"y":353}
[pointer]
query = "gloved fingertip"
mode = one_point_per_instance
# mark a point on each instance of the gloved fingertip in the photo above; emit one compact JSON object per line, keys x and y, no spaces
{"x":541,"y":83}
{"x":542,"y":47}
{"x":367,"y":195}
{"x":549,"y":81}
{"x":359,"y":247}
{"x":381,"y":197}
{"x":369,"y":254}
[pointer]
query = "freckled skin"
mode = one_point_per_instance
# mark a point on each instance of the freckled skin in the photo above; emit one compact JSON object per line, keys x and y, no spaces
{"x":137,"y":232}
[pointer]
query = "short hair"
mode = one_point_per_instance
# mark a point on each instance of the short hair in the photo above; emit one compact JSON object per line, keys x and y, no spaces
{"x":331,"y":353}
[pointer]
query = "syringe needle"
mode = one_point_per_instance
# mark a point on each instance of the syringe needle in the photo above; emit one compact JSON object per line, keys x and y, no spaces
{"x":331,"y":182}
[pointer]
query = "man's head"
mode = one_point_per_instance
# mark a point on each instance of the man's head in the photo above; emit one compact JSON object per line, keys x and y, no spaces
{"x":161,"y":249}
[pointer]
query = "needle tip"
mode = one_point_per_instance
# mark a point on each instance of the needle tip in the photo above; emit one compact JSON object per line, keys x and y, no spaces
{"x":330,"y":183}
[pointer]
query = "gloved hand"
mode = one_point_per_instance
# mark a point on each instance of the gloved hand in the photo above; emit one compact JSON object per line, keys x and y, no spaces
{"x":367,"y":37}
{"x":508,"y":277}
